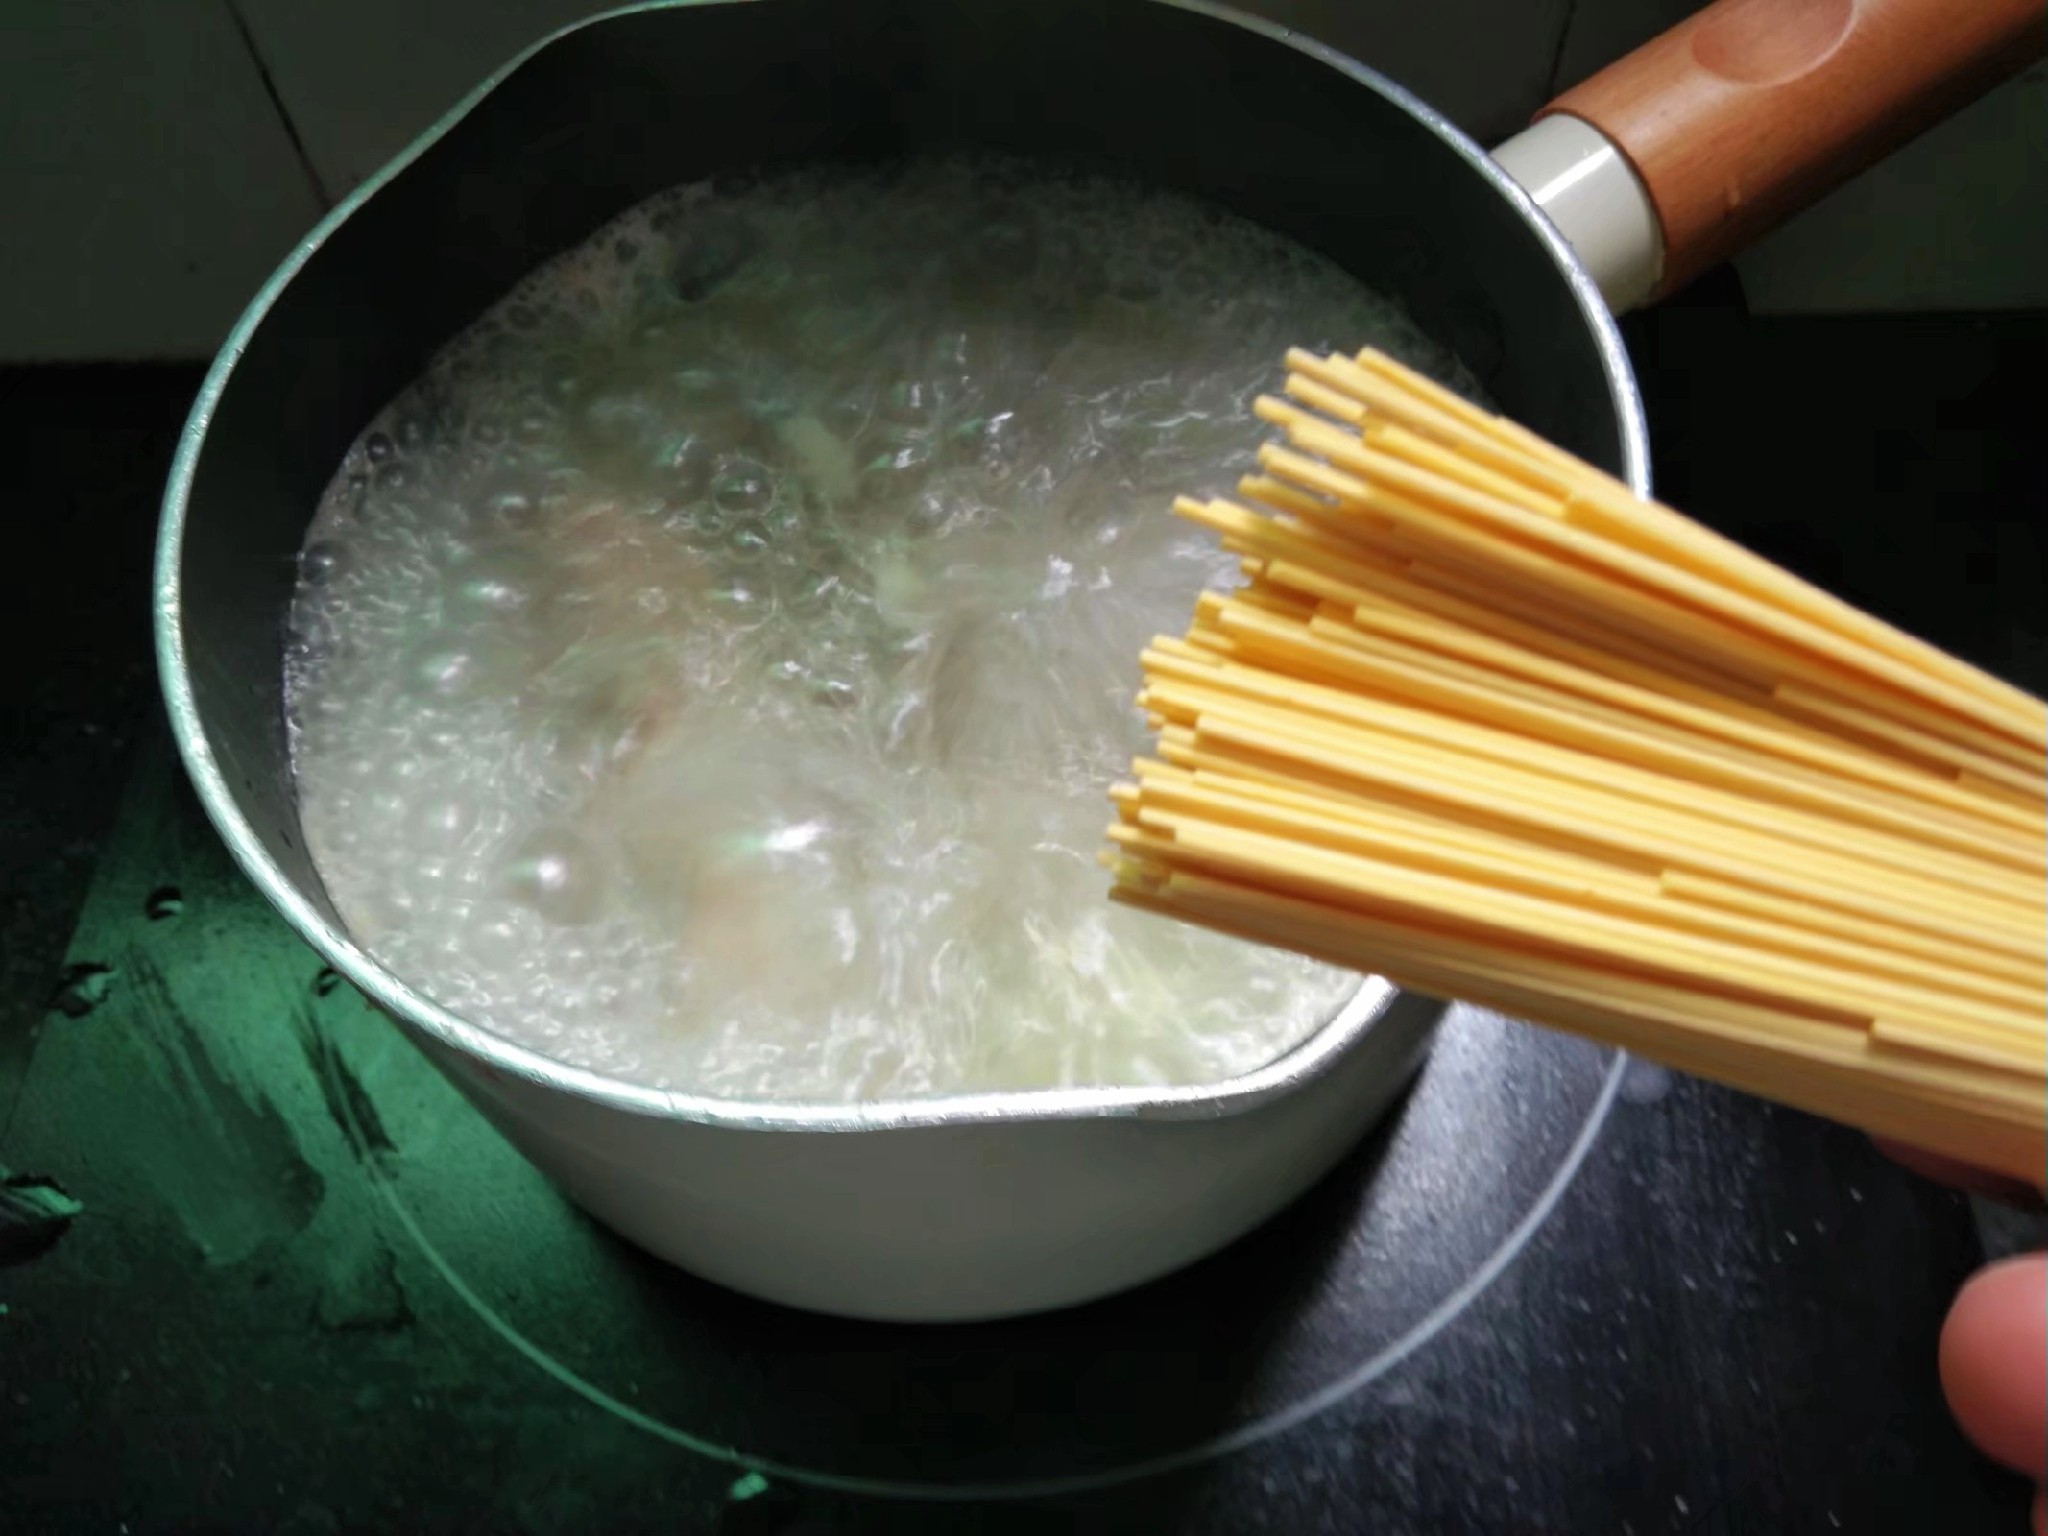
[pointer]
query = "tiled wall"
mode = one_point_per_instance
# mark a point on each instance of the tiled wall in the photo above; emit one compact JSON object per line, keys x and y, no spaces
{"x":157,"y":157}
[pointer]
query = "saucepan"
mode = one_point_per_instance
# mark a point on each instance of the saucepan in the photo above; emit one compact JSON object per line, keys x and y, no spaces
{"x":993,"y":1204}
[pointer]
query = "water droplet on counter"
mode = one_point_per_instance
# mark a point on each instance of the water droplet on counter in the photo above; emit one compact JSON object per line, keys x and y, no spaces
{"x":81,"y":988}
{"x":35,"y":1213}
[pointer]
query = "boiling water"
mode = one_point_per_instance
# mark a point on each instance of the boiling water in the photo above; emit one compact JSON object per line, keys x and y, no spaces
{"x":711,"y":670}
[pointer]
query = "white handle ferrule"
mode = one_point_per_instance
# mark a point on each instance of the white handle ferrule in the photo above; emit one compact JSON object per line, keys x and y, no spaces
{"x":1592,"y":194}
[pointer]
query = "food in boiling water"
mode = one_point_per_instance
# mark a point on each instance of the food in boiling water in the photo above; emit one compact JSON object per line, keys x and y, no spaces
{"x":709,"y":671}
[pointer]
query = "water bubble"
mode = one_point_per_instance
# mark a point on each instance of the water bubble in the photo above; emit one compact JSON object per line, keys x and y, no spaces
{"x":685,"y":466}
{"x":910,"y":402}
{"x":1004,"y":253}
{"x":414,"y":430}
{"x":959,"y":355}
{"x":443,"y":822}
{"x":565,"y":493}
{"x":708,"y":257}
{"x":623,"y":417}
{"x":497,"y":943}
{"x":1141,"y":286}
{"x":654,"y":336}
{"x":445,"y":671}
{"x":743,"y":486}
{"x":748,"y":544}
{"x":320,"y":562}
{"x":557,"y":873}
{"x":697,"y":381}
{"x":492,"y":589}
{"x":736,"y":601}
{"x":847,"y":416}
{"x":904,"y":452}
{"x":933,"y":510}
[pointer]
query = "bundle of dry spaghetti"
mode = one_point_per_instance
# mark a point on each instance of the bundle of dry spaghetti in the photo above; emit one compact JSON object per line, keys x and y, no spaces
{"x":1486,"y":723}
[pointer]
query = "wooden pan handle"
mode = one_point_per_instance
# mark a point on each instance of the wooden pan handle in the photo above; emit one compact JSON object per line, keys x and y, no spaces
{"x":1743,"y":114}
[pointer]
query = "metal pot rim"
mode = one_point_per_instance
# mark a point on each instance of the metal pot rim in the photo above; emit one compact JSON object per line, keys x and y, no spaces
{"x":502,"y":1058}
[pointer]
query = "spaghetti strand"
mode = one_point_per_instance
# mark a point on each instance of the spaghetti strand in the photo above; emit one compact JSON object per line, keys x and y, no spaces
{"x":1486,"y":723}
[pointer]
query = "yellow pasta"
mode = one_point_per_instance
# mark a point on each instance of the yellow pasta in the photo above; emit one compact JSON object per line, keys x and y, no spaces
{"x":1486,"y":723}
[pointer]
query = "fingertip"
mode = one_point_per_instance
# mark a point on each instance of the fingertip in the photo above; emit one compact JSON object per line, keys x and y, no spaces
{"x":1994,"y":1362}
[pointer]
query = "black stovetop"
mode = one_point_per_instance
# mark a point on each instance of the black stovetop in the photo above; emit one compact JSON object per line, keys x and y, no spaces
{"x":302,"y":1288}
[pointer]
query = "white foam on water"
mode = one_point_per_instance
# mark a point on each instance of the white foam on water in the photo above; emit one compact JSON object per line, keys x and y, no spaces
{"x":710,"y":671}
